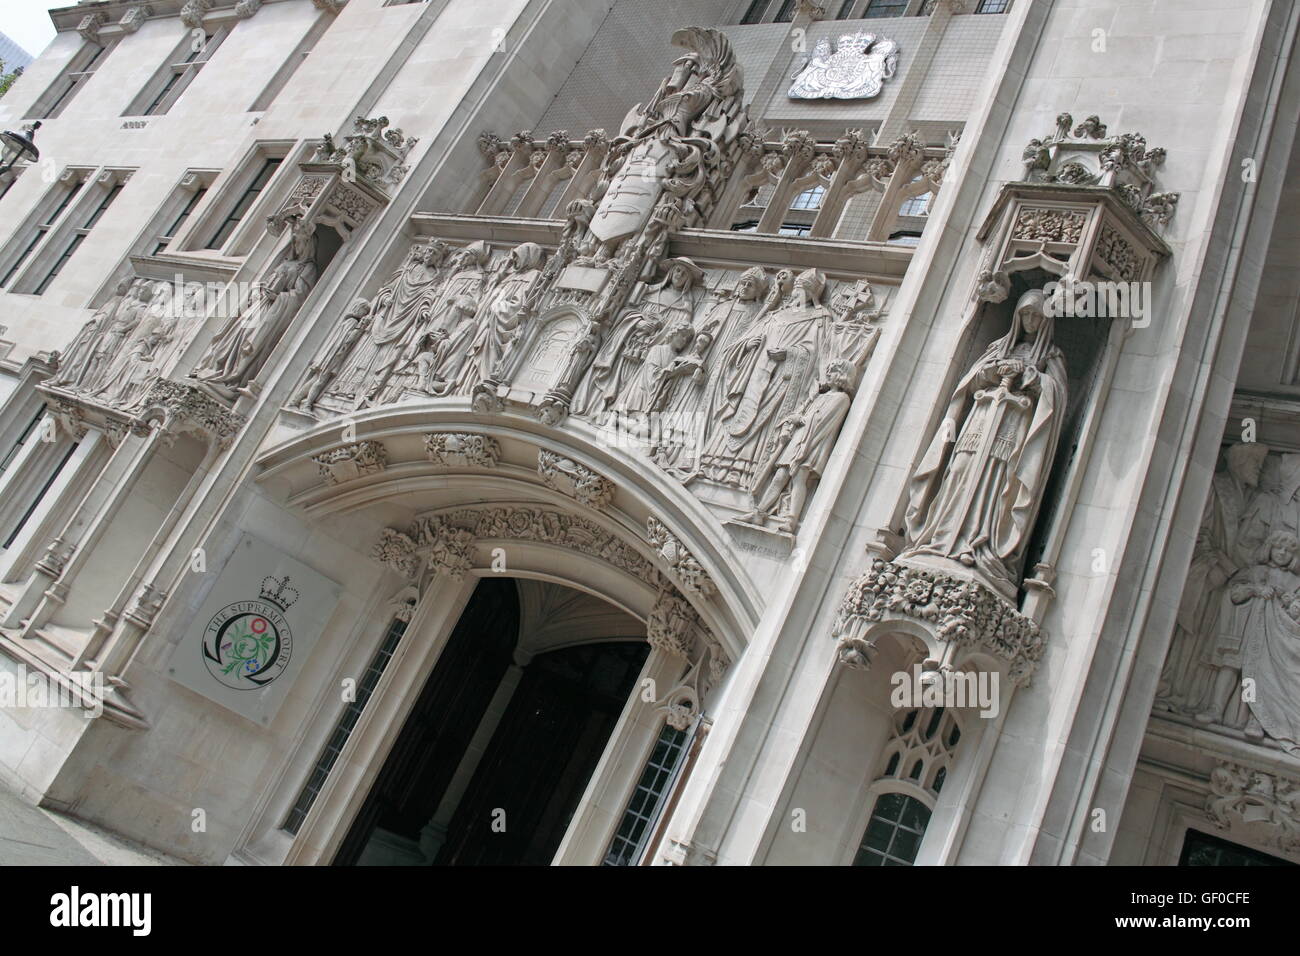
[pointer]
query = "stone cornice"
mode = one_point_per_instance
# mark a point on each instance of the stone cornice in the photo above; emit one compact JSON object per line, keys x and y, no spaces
{"x":879,"y":261}
{"x":67,"y":19}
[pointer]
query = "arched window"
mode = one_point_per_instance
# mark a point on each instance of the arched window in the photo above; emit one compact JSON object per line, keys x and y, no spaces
{"x":914,"y":767}
{"x":894,"y":831}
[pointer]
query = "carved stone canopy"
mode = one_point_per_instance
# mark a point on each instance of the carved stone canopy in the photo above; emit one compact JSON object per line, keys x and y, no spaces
{"x":1083,"y":155}
{"x":960,"y":616}
{"x":372,"y":153}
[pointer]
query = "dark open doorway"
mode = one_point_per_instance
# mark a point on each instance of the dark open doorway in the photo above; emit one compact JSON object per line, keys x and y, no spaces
{"x":492,"y":761}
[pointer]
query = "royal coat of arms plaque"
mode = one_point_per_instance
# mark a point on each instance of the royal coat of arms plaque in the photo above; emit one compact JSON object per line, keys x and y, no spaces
{"x":855,"y":70}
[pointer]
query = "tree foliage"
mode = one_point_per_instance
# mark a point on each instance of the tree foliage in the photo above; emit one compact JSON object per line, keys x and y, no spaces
{"x":7,"y":79}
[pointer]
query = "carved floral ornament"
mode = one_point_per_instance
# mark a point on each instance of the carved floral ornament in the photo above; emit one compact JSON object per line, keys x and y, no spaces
{"x":372,"y":153}
{"x":1083,"y":155}
{"x":958,"y":612}
{"x":1267,"y":805}
{"x":351,"y":461}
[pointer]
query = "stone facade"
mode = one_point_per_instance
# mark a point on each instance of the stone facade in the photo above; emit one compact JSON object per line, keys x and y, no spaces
{"x":851,"y":380}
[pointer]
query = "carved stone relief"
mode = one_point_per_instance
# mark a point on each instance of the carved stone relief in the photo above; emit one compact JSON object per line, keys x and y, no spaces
{"x":351,"y":461}
{"x":238,"y":350}
{"x":855,"y":68}
{"x":1232,"y":662}
{"x":735,"y":382}
{"x":976,"y":492}
{"x":462,"y":449}
{"x":1264,"y":804}
{"x":573,"y":479}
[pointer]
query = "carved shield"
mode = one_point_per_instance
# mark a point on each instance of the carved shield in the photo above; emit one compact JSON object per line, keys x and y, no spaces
{"x":632,"y":193}
{"x":856,"y":70}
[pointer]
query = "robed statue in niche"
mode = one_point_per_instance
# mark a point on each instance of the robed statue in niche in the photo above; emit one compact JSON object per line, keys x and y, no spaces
{"x":977,"y":491}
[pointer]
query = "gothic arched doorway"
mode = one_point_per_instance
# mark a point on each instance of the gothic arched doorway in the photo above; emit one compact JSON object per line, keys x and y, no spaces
{"x":494,"y":757}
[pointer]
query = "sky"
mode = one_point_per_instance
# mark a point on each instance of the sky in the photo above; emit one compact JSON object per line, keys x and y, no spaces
{"x":27,"y":22}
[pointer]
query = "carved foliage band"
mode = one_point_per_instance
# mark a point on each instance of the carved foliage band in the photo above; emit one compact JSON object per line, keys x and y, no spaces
{"x":954,"y":610}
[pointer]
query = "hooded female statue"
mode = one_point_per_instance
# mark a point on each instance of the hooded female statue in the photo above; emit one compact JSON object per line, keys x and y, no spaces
{"x":239,"y":350}
{"x":978,"y":488}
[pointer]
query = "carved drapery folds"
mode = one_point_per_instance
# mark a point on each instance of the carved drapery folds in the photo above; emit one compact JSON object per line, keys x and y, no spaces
{"x":733,"y":381}
{"x":354,"y":460}
{"x":129,"y":343}
{"x":239,"y":349}
{"x":976,"y":493}
{"x":961,"y":615}
{"x":1232,"y":662}
{"x":1083,"y":155}
{"x":1263,"y":805}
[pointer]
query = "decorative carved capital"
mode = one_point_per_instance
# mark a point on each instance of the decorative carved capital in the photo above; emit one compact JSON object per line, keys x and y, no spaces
{"x":680,"y":564}
{"x":953,"y":610}
{"x":246,"y":8}
{"x":134,"y":18}
{"x":574,"y":480}
{"x":352,"y":461}
{"x":329,"y":6}
{"x":193,"y":12}
{"x":90,"y":25}
{"x":462,"y":449}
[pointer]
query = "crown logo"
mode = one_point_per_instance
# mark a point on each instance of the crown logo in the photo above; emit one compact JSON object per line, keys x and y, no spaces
{"x":277,"y":592}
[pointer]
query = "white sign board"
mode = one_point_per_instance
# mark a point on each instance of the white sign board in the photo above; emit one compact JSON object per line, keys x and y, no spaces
{"x":254,"y":632}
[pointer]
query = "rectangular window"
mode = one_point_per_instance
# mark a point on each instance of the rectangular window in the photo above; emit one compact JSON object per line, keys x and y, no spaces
{"x":885,"y":8}
{"x":786,"y":13}
{"x":296,"y":58}
{"x":31,"y":509}
{"x":178,"y":223}
{"x":78,"y":237}
{"x":245,"y":202}
{"x":755,"y":12}
{"x":22,"y":439}
{"x":167,"y":85}
{"x":343,"y":729}
{"x":32,"y":237}
{"x":75,"y":75}
{"x":993,"y":6}
{"x":794,"y":229}
{"x":846,"y":10}
{"x":648,"y":798}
